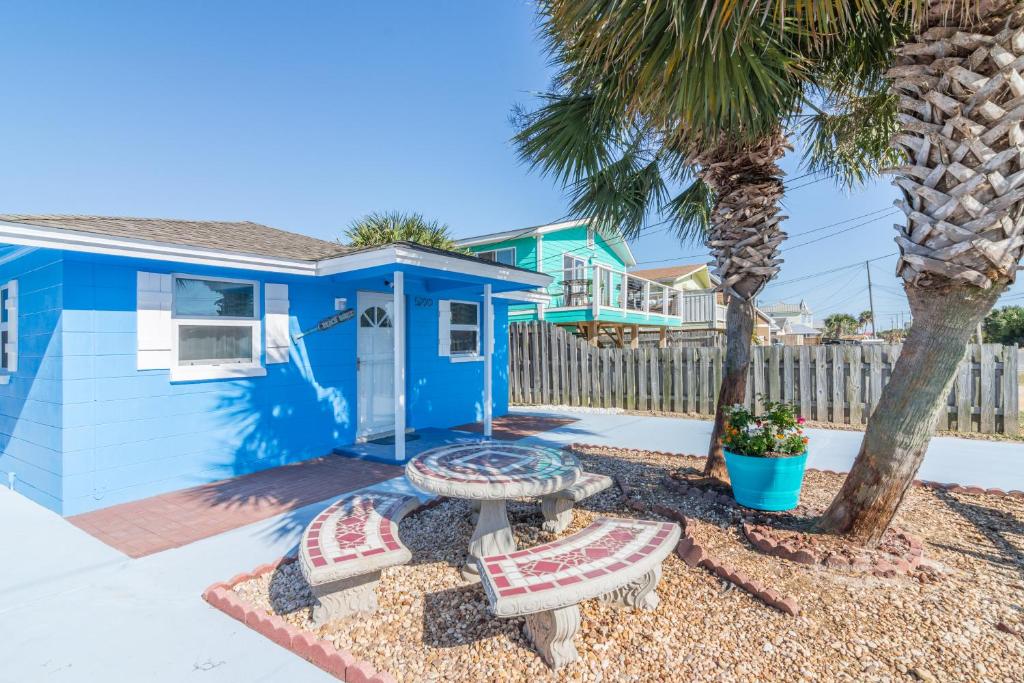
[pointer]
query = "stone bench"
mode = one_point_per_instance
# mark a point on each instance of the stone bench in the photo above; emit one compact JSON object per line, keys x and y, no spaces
{"x":557,"y":507}
{"x":344,"y":549}
{"x":615,"y":560}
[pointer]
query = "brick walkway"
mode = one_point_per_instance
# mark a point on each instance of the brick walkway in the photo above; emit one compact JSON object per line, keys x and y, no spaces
{"x":513,"y":427}
{"x":174,"y":519}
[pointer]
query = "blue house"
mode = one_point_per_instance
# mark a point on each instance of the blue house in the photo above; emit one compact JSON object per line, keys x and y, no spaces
{"x":142,"y":355}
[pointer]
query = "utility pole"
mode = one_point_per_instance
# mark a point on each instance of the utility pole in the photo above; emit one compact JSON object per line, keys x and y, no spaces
{"x":871,"y":299}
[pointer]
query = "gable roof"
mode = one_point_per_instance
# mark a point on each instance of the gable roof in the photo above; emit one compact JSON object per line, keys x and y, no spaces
{"x":617,"y":244}
{"x":237,"y":236}
{"x":669,"y":272}
{"x":784,"y":308}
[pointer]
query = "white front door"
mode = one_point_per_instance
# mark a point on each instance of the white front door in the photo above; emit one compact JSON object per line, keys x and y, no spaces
{"x":375,"y":351}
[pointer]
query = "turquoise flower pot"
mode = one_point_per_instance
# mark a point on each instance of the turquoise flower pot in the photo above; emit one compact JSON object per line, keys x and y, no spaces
{"x":766,"y":483}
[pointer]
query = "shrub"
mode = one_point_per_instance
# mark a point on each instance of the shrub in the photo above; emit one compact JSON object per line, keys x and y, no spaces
{"x":775,"y":433}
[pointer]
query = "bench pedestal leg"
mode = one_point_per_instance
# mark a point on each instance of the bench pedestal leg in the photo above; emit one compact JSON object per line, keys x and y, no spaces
{"x":474,"y":511}
{"x":345,"y":597}
{"x":552,"y":633}
{"x":557,"y":513}
{"x":492,"y":536}
{"x":638,"y":594}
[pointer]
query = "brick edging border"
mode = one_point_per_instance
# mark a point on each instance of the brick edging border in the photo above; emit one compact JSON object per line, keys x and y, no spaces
{"x":339,"y":663}
{"x":695,"y":555}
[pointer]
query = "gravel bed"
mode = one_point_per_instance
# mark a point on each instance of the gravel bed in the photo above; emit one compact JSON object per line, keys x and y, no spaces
{"x":966,"y":623}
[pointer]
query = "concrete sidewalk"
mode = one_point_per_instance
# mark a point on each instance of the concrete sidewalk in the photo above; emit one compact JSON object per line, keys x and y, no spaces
{"x":73,"y":609}
{"x":971,"y":462}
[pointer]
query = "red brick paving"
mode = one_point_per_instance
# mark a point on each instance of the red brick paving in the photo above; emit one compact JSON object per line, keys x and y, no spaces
{"x":171,"y":520}
{"x":513,"y":427}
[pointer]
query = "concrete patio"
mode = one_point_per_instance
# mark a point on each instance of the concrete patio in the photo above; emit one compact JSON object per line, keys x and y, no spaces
{"x":74,"y":609}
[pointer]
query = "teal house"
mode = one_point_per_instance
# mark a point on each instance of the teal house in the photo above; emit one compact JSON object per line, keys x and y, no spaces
{"x":593,"y":289}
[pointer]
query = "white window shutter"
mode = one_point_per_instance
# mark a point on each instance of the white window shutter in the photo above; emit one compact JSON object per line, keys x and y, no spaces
{"x":12,"y":326}
{"x":153,"y":320}
{"x":444,"y":328}
{"x":275,"y":298}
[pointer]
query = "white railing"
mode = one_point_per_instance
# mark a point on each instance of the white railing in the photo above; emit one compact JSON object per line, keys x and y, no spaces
{"x":600,"y":287}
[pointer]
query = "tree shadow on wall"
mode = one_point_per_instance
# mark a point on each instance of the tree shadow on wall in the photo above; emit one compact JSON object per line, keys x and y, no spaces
{"x":281,"y":431}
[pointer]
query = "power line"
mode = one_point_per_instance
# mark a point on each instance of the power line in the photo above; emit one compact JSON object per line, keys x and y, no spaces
{"x":838,"y":232}
{"x":888,"y":209}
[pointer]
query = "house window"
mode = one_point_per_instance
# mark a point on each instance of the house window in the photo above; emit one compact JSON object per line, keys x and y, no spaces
{"x":215,"y":322}
{"x":506,"y":256}
{"x":8,"y":330}
{"x":573,"y":267}
{"x":590,"y":238}
{"x":465,"y":329}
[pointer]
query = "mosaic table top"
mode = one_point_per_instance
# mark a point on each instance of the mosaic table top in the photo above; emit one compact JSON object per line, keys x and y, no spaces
{"x":355,"y":535}
{"x":607,"y":554}
{"x":492,"y":470}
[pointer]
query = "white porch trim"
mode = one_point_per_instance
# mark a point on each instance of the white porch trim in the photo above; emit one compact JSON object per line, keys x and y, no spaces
{"x":488,"y":360}
{"x":398,"y":323}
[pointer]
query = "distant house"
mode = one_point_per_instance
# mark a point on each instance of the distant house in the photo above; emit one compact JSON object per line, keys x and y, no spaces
{"x":703,"y":307}
{"x":795,"y":323}
{"x":593,"y":290}
{"x":143,"y":355}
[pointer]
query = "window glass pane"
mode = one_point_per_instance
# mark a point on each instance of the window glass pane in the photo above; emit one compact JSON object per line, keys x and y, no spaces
{"x":214,"y":344}
{"x":4,"y":294}
{"x":486,"y":256}
{"x":506,"y":256}
{"x":463,"y":314}
{"x":210,"y":298}
{"x":463,"y":341}
{"x":3,"y":350}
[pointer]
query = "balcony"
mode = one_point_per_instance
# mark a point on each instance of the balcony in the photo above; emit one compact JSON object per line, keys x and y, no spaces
{"x":614,"y":295}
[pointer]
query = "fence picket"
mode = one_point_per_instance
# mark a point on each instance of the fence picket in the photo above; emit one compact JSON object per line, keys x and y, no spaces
{"x":853,"y":382}
{"x":988,"y":393}
{"x":821,"y":388}
{"x":806,"y":392}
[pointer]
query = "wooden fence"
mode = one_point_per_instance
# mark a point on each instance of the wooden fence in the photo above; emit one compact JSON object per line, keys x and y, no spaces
{"x":839,"y":384}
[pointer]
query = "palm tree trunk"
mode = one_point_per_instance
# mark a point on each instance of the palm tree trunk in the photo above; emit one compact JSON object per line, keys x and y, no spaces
{"x":904,"y":420}
{"x":739,"y":330}
{"x":959,"y":93}
{"x":745,"y":237}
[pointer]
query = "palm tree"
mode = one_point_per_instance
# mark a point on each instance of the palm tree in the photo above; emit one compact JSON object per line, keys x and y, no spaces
{"x":864,"y":319}
{"x":679,"y":109}
{"x":839,"y":325}
{"x":379,"y":228}
{"x":959,"y":82}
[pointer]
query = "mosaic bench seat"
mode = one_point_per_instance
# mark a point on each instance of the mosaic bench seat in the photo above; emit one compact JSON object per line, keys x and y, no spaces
{"x":344,"y":549}
{"x":557,"y":507}
{"x":615,"y":560}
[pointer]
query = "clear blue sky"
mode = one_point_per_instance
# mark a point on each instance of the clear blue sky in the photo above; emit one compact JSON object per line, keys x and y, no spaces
{"x":307,"y":115}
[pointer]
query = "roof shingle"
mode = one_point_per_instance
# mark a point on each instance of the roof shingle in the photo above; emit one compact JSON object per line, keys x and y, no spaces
{"x":236,"y":236}
{"x":669,"y":272}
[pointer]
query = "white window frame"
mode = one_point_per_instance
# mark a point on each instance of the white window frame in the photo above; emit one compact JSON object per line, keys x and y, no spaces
{"x":480,"y":255}
{"x":189,"y":371}
{"x":11,"y":328}
{"x":465,"y":356}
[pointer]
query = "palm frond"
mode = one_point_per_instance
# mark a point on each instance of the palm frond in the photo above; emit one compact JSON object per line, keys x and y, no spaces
{"x":620,"y":194}
{"x":690,"y":212}
{"x":852,"y":144}
{"x":568,"y":137}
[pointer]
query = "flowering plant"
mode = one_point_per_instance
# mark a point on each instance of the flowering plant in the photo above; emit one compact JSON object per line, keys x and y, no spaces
{"x":775,"y":433}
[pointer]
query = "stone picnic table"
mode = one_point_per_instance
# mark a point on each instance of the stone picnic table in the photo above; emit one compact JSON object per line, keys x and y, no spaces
{"x":491,"y":472}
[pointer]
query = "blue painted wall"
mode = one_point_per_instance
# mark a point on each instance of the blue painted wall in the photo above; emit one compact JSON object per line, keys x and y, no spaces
{"x":84,"y":429}
{"x":30,"y":404}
